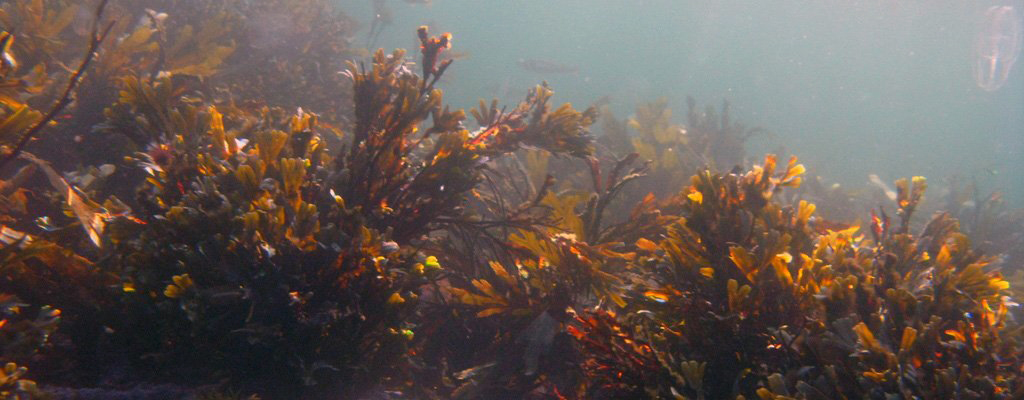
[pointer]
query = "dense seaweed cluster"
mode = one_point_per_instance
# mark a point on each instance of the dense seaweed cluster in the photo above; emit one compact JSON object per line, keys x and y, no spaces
{"x":180,"y":219}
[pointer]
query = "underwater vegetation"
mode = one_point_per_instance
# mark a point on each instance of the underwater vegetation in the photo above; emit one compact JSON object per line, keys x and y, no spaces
{"x":205,"y":208}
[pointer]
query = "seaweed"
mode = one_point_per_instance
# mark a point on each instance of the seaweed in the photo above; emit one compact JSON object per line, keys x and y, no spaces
{"x":790,"y":296}
{"x":237,"y":220}
{"x":17,"y":115}
{"x":251,"y":241}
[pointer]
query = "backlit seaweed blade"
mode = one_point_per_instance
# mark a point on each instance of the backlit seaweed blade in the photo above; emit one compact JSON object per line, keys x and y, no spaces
{"x":532,"y":123}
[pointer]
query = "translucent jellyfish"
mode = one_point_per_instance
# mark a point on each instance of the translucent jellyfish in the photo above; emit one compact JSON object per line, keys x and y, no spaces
{"x":997,"y":47}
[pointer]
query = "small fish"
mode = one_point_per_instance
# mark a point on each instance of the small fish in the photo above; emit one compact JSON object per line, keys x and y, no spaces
{"x":546,"y":66}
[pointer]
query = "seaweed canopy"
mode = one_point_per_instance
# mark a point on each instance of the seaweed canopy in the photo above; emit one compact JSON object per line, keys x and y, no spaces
{"x":739,"y":295}
{"x":744,"y":290}
{"x":36,"y":270}
{"x":231,"y":51}
{"x":381,"y":169}
{"x":280,"y":261}
{"x":710,"y":139}
{"x":374,"y":241}
{"x":716,"y":136}
{"x":992,"y":225}
{"x":20,"y":123}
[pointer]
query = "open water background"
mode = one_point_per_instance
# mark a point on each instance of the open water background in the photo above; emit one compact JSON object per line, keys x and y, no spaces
{"x":850,"y":87}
